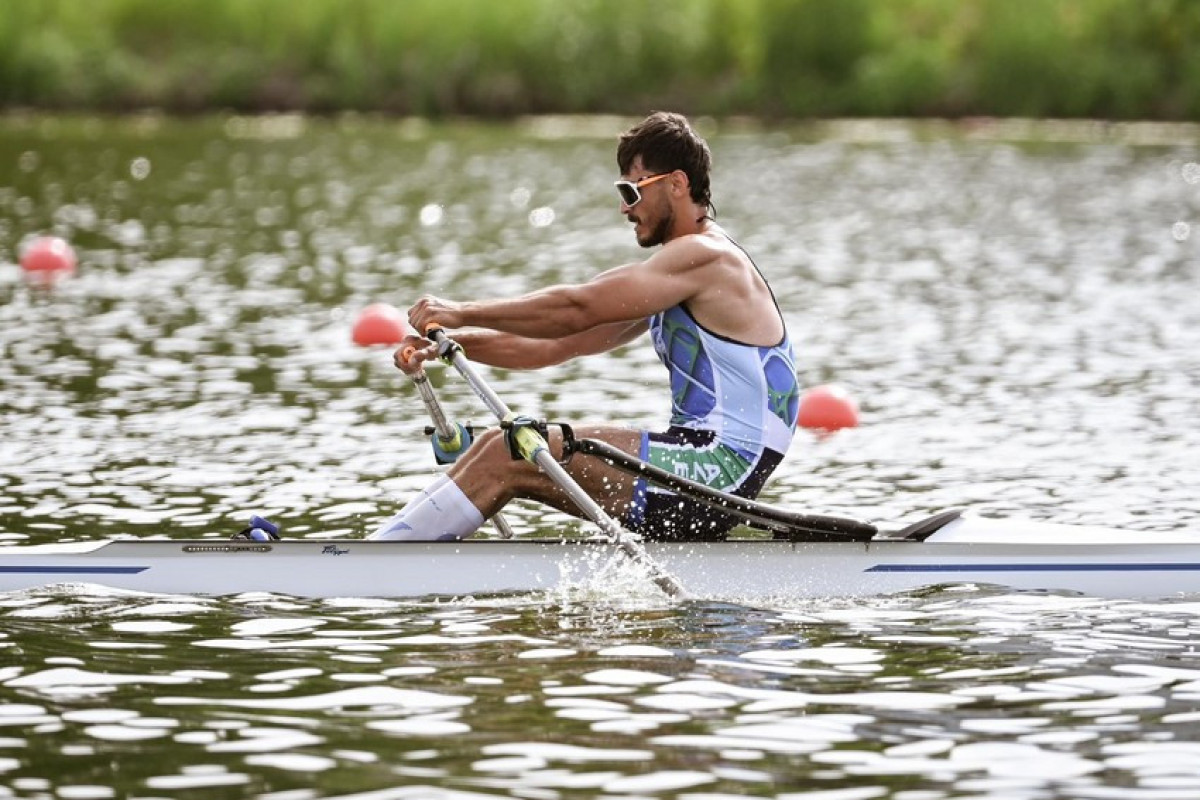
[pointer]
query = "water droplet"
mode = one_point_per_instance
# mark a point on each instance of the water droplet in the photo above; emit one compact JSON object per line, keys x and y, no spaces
{"x":139,"y":168}
{"x":520,"y":197}
{"x":431,"y":215}
{"x":541,"y":217}
{"x":1181,"y":231}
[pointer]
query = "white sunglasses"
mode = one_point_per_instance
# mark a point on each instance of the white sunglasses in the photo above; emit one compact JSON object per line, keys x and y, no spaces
{"x":630,"y":190}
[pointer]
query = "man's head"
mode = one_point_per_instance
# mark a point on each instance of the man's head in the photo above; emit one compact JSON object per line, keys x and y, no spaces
{"x":666,"y":142}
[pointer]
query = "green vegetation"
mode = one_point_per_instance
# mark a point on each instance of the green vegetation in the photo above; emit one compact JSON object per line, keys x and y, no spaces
{"x":1117,"y":59}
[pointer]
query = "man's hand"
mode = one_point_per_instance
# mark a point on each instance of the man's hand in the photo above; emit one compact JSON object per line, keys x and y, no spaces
{"x":413,"y":352}
{"x":430,"y":309}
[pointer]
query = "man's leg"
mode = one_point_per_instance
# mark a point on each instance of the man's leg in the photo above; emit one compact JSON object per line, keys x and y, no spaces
{"x":486,"y":477}
{"x":440,"y":512}
{"x":490,"y":476}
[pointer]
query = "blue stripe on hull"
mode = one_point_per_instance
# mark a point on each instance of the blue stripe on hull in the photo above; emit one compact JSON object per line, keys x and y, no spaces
{"x":1148,"y":567}
{"x":36,"y":570}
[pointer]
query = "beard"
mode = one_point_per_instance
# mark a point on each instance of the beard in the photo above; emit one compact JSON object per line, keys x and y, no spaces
{"x":657,"y":234}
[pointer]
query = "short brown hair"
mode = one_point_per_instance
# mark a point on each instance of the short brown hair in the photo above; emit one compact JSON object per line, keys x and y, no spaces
{"x":666,"y":142}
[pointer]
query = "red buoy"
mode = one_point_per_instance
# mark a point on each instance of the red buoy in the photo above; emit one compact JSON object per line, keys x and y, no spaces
{"x":48,"y":257}
{"x":379,"y":323}
{"x":828,"y":408}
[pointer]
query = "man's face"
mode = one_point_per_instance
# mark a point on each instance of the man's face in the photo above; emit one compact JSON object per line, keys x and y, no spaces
{"x":652,"y":215}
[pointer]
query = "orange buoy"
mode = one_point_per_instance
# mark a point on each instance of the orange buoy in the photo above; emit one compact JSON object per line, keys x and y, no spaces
{"x":379,"y":323}
{"x":828,"y":408}
{"x":48,"y":257}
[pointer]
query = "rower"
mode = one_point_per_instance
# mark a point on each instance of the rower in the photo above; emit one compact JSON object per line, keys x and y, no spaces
{"x":713,"y":321}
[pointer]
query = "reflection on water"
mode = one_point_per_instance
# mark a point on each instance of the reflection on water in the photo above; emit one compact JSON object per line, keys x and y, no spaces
{"x":963,"y":693}
{"x":1017,"y":319}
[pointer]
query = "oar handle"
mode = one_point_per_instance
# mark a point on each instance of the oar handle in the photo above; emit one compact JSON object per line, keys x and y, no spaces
{"x":450,"y":439}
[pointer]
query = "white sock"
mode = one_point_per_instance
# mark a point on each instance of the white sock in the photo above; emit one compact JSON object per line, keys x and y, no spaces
{"x":440,"y":512}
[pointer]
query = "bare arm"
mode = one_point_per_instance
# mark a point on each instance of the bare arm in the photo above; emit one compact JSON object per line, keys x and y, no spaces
{"x":509,"y":351}
{"x":499,"y":349}
{"x":676,"y":273}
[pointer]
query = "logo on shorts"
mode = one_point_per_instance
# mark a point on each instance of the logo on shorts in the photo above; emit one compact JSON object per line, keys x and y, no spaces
{"x":697,"y":471}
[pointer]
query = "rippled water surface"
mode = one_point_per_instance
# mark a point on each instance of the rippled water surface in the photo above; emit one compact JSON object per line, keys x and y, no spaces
{"x":1018,"y":318}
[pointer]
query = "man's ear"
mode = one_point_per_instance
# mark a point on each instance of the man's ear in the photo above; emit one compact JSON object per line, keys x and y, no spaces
{"x":681,"y":185}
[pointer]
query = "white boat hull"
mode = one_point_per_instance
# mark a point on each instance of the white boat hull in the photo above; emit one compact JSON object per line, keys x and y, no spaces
{"x":1033,"y":556}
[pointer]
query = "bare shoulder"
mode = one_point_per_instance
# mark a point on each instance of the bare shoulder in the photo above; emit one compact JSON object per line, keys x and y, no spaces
{"x":731,"y":298}
{"x":702,"y":250}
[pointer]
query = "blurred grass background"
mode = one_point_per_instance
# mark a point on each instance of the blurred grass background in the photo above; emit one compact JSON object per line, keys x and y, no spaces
{"x":1107,"y":59}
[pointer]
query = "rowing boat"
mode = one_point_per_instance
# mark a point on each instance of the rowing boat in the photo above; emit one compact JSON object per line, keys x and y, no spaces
{"x":951,"y":548}
{"x":805,"y":556}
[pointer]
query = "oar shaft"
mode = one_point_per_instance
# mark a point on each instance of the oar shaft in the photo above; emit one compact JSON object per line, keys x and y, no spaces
{"x":592,"y":510}
{"x":485,"y":393}
{"x":440,"y":423}
{"x":536,"y":449}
